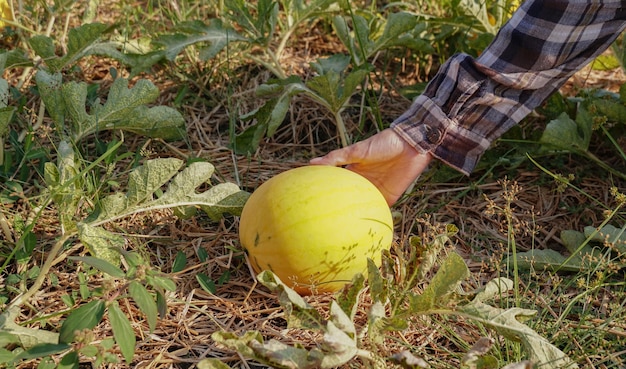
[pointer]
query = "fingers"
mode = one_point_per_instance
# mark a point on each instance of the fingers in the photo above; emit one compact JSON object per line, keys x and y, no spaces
{"x":335,"y":158}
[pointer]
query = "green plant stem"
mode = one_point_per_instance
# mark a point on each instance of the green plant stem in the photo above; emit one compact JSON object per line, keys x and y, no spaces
{"x":513,"y":245}
{"x":614,"y":142}
{"x":548,"y":172}
{"x":45,"y":268}
{"x":341,"y":128}
{"x":603,"y":165}
{"x":272,"y":67}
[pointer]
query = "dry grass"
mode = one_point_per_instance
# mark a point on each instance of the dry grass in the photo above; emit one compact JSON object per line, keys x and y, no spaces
{"x":182,"y":336}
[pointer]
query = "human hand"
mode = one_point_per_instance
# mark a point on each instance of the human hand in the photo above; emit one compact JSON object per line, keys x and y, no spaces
{"x":386,"y":159}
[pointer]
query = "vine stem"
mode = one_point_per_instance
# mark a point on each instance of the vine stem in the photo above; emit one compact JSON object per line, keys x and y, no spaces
{"x":341,"y":128}
{"x":45,"y":268}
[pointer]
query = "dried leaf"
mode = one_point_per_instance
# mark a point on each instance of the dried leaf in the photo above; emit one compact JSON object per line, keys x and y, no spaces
{"x":509,"y":324}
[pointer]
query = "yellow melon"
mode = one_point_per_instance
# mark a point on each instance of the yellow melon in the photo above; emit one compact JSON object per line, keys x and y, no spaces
{"x":315,"y":227}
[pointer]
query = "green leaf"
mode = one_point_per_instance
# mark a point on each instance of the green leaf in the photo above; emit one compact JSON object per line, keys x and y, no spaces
{"x":508,"y":323}
{"x":124,"y":109}
{"x":49,"y":86}
{"x":270,"y":115}
{"x":451,"y":273}
{"x":478,"y":10}
{"x":14,"y":58}
{"x":161,"y":302}
{"x":563,"y":133}
{"x":146,"y":179}
{"x":43,"y":46}
{"x":376,"y":323}
{"x":180,"y":261}
{"x":334,"y":87}
{"x":162,"y":283}
{"x":396,"y":25}
{"x":145,"y":301}
{"x":101,"y":264}
{"x":85,"y":317}
{"x":181,"y":192}
{"x":259,"y":23}
{"x":122,"y":331}
{"x":79,"y":42}
{"x":69,"y":361}
{"x":348,"y":297}
{"x":299,"y":313}
{"x":215,"y":202}
{"x":7,"y":356}
{"x":206,"y":283}
{"x":605,"y":62}
{"x":215,"y":34}
{"x":6,"y":113}
{"x":69,"y":190}
{"x":101,"y":243}
{"x":42,"y":350}
{"x":609,"y":234}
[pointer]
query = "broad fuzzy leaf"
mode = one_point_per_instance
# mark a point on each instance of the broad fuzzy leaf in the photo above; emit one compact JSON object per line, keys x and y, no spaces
{"x":6,"y":113}
{"x":334,"y":91}
{"x":101,"y":243}
{"x":79,"y":42}
{"x":495,"y":288}
{"x":478,"y":10}
{"x":143,"y":181}
{"x":583,"y":256}
{"x":270,"y":115}
{"x":215,"y":202}
{"x":366,"y":40}
{"x":49,"y":86}
{"x":260,"y":23}
{"x":451,"y":273}
{"x":341,"y":348}
{"x":13,"y":58}
{"x":146,"y":179}
{"x":348,"y":297}
{"x":271,"y":353}
{"x":509,"y":324}
{"x":124,"y":109}
{"x":397,"y":25}
{"x":65,"y":184}
{"x":215,"y":34}
{"x":546,"y":259}
{"x":609,"y":234}
{"x":26,"y":337}
{"x":299,"y":313}
{"x":181,"y":192}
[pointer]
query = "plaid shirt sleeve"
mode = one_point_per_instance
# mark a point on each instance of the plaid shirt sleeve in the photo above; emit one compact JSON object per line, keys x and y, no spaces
{"x":471,"y":102}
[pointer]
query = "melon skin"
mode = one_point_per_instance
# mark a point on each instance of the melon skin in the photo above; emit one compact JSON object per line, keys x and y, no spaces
{"x":315,"y":227}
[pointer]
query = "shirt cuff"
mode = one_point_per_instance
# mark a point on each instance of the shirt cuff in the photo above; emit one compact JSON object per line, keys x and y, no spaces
{"x":429,"y":130}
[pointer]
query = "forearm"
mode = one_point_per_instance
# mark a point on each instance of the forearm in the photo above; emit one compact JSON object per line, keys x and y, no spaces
{"x":472,"y":102}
